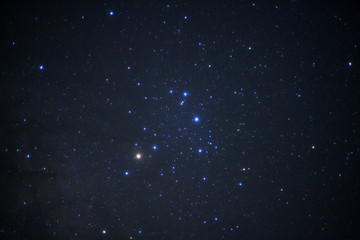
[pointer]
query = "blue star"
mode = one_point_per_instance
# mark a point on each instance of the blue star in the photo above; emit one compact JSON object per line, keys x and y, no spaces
{"x":216,"y":219}
{"x":349,"y":64}
{"x":140,"y":231}
{"x":298,"y":95}
{"x":200,"y":150}
{"x":28,"y":156}
{"x":204,"y":178}
{"x":185,"y":94}
{"x":171,"y":91}
{"x":111,"y":13}
{"x":41,"y":67}
{"x":240,"y":184}
{"x":126,"y":173}
{"x":196,"y":119}
{"x":154,"y":147}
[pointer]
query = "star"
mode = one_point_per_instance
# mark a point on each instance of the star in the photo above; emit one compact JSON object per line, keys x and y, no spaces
{"x":138,"y":156}
{"x":126,"y":173}
{"x":196,"y":119}
{"x":41,"y":67}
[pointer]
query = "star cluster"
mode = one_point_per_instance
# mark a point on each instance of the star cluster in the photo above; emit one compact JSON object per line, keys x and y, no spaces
{"x":180,"y":120}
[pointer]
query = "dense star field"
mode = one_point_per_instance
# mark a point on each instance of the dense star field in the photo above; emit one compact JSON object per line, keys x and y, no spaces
{"x":180,"y":120}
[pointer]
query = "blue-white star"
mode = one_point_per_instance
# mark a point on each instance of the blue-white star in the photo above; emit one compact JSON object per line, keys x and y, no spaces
{"x":196,"y":119}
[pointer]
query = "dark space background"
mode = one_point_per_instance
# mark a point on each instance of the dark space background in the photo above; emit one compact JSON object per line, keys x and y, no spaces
{"x":245,"y":115}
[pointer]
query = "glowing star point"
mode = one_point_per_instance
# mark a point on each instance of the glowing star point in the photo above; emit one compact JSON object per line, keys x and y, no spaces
{"x":196,"y":119}
{"x":138,"y":156}
{"x":126,"y":173}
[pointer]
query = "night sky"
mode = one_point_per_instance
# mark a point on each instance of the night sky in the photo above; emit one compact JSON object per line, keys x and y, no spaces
{"x":180,"y":120}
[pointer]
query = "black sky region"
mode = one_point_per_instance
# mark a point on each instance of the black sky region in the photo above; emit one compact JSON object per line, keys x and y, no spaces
{"x":180,"y":120}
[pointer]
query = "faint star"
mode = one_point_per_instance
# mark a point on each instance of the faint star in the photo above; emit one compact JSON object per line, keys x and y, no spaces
{"x":41,"y":67}
{"x":185,"y":94}
{"x":196,"y":119}
{"x":138,"y":156}
{"x":111,"y":13}
{"x":349,"y":63}
{"x":154,"y":147}
{"x":126,"y":173}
